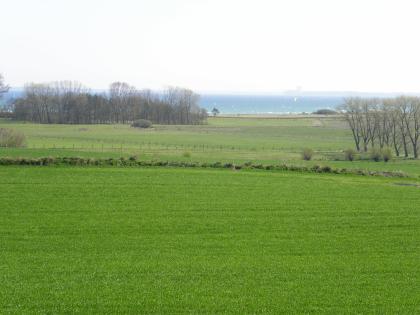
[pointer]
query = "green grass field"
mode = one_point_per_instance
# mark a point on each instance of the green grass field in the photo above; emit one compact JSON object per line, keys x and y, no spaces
{"x":221,"y":136}
{"x":237,"y":140}
{"x":168,"y":241}
{"x":206,"y":241}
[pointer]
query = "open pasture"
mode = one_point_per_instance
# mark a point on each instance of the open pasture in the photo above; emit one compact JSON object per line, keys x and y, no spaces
{"x":223,"y":135}
{"x":225,"y":139}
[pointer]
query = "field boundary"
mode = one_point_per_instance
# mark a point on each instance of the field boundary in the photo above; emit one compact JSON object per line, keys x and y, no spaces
{"x":133,"y":162}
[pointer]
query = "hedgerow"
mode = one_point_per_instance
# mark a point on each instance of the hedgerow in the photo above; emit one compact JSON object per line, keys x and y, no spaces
{"x":133,"y":162}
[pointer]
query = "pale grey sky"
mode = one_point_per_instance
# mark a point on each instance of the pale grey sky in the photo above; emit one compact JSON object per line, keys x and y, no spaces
{"x":214,"y":45}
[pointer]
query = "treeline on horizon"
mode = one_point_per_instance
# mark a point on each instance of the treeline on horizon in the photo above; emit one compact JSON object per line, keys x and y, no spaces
{"x":384,"y":123}
{"x":67,"y":102}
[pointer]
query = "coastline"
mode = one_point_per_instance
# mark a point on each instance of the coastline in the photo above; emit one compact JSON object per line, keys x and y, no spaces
{"x":275,"y":116}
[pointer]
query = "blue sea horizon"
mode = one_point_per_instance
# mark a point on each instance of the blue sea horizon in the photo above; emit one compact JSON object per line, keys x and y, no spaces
{"x":268,"y":104}
{"x":234,"y":104}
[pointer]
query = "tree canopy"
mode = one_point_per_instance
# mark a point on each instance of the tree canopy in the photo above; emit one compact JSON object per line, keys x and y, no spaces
{"x":72,"y":103}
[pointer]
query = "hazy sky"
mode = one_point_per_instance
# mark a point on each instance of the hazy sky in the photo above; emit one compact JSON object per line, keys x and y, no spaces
{"x":214,"y":45}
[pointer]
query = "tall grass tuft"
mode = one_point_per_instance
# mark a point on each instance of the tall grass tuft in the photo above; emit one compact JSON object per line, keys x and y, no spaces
{"x":307,"y":154}
{"x":375,"y":154}
{"x":349,"y":155}
{"x":142,"y":123}
{"x":11,"y":138}
{"x":386,"y":154}
{"x":186,"y":154}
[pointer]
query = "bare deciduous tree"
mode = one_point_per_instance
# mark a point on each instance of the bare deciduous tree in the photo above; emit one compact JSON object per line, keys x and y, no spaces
{"x":367,"y":123}
{"x":391,"y":111}
{"x":412,"y":123}
{"x":352,"y":111}
{"x":402,"y":113}
{"x":390,"y":122}
{"x":72,"y":103}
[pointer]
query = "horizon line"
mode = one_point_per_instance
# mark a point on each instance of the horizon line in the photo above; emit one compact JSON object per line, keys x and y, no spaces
{"x":274,"y":93}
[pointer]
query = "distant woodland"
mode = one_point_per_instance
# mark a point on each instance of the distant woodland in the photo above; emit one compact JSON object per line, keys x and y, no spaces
{"x":67,"y":102}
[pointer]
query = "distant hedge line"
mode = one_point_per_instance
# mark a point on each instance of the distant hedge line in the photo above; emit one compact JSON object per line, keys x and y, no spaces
{"x":133,"y":162}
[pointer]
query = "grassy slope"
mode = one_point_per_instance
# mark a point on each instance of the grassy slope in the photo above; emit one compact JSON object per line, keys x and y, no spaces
{"x":206,"y":241}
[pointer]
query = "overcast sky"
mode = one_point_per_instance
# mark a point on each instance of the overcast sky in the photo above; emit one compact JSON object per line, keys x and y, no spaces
{"x":214,"y":45}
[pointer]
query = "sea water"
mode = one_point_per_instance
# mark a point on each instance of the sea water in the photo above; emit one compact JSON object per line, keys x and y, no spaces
{"x":268,"y":104}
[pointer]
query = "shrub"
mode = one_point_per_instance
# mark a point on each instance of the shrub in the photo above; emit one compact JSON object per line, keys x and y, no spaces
{"x":375,"y":154}
{"x":386,"y":154}
{"x":186,"y":154}
{"x":349,"y":155}
{"x":315,"y":168}
{"x":11,"y":138}
{"x":325,"y":112}
{"x":307,"y":154}
{"x":326,"y":169}
{"x":142,"y":123}
{"x":7,"y":115}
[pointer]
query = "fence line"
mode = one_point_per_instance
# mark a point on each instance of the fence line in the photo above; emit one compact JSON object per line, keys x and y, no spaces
{"x":152,"y":146}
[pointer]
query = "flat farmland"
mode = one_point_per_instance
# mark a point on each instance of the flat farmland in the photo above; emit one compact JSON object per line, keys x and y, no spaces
{"x":272,"y":140}
{"x":167,"y":241}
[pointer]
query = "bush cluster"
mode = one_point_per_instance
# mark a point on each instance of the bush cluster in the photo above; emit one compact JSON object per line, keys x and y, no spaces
{"x":142,"y":123}
{"x":11,"y":138}
{"x":133,"y":162}
{"x":325,"y":112}
{"x":384,"y":154}
{"x":186,"y":154}
{"x":375,"y":154}
{"x":307,"y":154}
{"x":350,"y":154}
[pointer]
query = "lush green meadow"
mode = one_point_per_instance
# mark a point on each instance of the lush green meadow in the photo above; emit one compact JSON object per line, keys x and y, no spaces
{"x":167,"y":241}
{"x":221,"y":137}
{"x":235,"y":139}
{"x":204,"y":241}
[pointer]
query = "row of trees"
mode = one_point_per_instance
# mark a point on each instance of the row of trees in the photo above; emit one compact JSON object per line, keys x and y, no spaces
{"x":392,"y":122}
{"x":68,"y":102}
